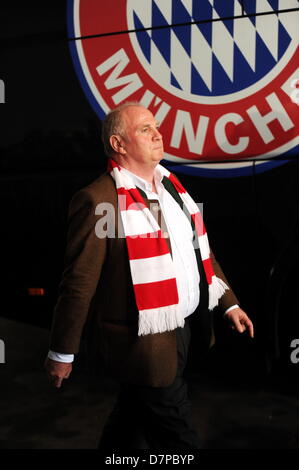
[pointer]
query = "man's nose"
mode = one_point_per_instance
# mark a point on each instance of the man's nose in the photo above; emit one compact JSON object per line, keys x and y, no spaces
{"x":157,"y":134}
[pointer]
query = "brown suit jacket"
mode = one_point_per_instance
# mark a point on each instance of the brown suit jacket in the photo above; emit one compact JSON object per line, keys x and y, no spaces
{"x":96,"y":297}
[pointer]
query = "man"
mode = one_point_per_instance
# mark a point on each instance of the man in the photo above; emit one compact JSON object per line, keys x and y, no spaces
{"x":132,"y":289}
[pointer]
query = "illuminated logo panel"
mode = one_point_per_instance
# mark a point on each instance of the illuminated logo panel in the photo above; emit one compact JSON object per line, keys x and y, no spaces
{"x":222,"y":85}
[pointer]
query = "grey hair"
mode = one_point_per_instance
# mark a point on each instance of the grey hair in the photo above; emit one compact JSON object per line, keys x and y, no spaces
{"x":112,"y":124}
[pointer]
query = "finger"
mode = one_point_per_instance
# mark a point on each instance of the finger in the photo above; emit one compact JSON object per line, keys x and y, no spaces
{"x":58,"y":382}
{"x":239,"y":327}
{"x":249,"y":325}
{"x":55,"y":381}
{"x":251,"y":330}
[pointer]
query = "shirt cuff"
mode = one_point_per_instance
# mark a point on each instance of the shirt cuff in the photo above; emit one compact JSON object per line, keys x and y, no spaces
{"x":231,"y":308}
{"x":60,"y":357}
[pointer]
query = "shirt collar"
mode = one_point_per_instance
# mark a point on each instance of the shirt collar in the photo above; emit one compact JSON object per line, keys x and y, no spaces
{"x":142,"y":183}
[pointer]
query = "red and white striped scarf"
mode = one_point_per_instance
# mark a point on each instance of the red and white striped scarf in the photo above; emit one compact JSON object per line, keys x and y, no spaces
{"x":150,"y":260}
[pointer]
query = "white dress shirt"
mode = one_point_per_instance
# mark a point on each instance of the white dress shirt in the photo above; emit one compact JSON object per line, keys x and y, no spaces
{"x":180,"y":233}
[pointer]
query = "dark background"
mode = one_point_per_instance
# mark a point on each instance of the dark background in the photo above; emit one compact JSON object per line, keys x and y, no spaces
{"x":50,"y":147}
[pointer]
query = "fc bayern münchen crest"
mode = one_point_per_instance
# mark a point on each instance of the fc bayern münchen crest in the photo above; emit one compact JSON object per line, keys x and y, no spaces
{"x":221,"y":77}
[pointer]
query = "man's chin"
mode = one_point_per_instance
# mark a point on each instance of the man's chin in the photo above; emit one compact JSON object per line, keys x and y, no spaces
{"x":158,"y":156}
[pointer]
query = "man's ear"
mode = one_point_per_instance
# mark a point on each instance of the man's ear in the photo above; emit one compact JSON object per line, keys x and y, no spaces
{"x":116,"y":144}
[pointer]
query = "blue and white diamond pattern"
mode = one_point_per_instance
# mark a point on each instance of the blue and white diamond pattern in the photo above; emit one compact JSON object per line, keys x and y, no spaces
{"x":212,"y":58}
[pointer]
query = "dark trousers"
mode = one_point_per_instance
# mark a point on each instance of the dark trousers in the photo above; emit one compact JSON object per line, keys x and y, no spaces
{"x":154,"y":418}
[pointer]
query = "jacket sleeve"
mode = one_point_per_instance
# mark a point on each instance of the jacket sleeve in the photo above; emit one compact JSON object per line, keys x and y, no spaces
{"x":84,"y":257}
{"x":228,"y":299}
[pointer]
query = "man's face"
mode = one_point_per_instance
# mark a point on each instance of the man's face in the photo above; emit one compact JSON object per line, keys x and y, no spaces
{"x":141,"y":140}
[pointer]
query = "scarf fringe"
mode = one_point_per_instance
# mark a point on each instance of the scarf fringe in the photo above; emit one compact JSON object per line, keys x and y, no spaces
{"x":159,"y":320}
{"x":216,"y":291}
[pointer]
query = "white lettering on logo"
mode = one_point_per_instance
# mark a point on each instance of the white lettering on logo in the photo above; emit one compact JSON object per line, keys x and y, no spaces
{"x":291,"y":86}
{"x":221,"y":137}
{"x":295,"y":92}
{"x":277,"y":113}
{"x":183,"y":123}
{"x":119,"y":61}
{"x":164,"y":108}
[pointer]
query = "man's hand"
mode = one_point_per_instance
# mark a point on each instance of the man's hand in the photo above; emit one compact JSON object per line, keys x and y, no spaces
{"x":240,"y":321}
{"x":57,"y":371}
